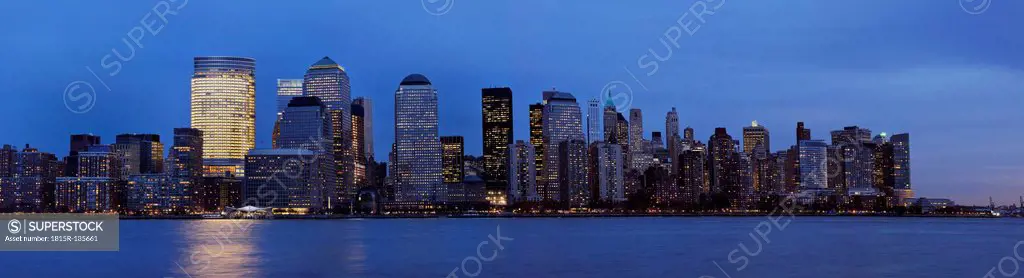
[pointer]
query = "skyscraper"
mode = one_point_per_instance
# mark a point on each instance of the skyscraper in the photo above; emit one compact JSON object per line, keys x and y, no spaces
{"x":640,"y":156}
{"x":186,"y":160}
{"x":901,"y":165}
{"x":497,"y":136}
{"x":452,"y":163}
{"x":7,"y":163}
{"x":672,"y":124}
{"x":223,"y":103}
{"x":417,"y":144}
{"x":692,"y":175}
{"x":606,"y":173}
{"x":307,"y":124}
{"x":286,"y":90}
{"x":31,"y":189}
{"x":594,"y":118}
{"x":572,"y":173}
{"x":813,"y":165}
{"x":611,"y":121}
{"x":720,"y":150}
{"x":562,"y":122}
{"x":756,"y":135}
{"x":537,"y":140}
{"x":329,"y":82}
{"x":359,"y":152}
{"x":522,"y":173}
{"x":367,"y":105}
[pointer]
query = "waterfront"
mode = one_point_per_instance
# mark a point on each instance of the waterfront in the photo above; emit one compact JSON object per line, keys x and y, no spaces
{"x":542,"y":247}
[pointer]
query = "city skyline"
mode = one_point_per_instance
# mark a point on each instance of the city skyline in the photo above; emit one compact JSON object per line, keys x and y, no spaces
{"x":943,"y":166}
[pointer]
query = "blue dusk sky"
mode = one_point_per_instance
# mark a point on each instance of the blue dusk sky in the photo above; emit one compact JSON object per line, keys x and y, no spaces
{"x":953,"y":79}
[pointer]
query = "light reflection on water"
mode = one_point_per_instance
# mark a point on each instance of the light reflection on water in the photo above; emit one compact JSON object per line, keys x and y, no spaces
{"x":218,"y":248}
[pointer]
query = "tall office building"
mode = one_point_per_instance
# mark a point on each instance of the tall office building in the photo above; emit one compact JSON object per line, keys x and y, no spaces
{"x":522,"y":174}
{"x":594,"y":118}
{"x":537,"y":140}
{"x":622,"y":137}
{"x":672,"y":124}
{"x":611,"y":121}
{"x":901,"y":165}
{"x":307,"y":124}
{"x":688,"y":135}
{"x":144,"y":153}
{"x":606,"y":173}
{"x":497,"y":136}
{"x":359,"y":152}
{"x":186,"y":160}
{"x":720,"y":150}
{"x":639,"y":157}
{"x":286,"y":90}
{"x":367,"y":105}
{"x":813,"y":165}
{"x":329,"y":82}
{"x":692,"y":175}
{"x":417,"y":145}
{"x":452,"y":163}
{"x":223,"y":104}
{"x":857,"y":153}
{"x":79,"y":142}
{"x":572,"y":173}
{"x":562,"y":122}
{"x":756,"y":135}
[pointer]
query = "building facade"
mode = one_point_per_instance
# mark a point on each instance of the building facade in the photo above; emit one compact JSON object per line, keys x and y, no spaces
{"x":223,"y":106}
{"x":562,"y":122}
{"x":329,"y":82}
{"x":522,"y":173}
{"x":452,"y":159}
{"x":497,"y":136}
{"x":418,"y":165}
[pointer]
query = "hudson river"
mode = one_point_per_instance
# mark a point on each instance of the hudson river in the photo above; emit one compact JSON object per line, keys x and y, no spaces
{"x":691,"y":247}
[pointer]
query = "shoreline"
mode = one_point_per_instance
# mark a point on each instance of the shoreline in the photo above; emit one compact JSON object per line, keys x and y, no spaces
{"x":347,"y":217}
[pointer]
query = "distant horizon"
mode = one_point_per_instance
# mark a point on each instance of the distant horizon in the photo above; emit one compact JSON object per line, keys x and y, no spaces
{"x":915,"y":67}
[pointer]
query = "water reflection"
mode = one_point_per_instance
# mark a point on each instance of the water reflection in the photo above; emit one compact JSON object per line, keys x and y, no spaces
{"x":355,"y":261}
{"x":218,"y":248}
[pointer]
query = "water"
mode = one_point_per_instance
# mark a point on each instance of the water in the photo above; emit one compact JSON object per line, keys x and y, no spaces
{"x":542,"y":247}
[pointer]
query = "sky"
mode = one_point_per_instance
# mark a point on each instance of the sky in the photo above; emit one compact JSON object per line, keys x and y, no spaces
{"x":947,"y":73}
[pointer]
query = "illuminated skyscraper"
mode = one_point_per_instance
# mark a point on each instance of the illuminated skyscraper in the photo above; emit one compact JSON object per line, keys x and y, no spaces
{"x":417,"y":144}
{"x":562,"y":122}
{"x":223,"y":103}
{"x":537,"y":140}
{"x":594,"y":117}
{"x":573,"y":184}
{"x":813,"y":164}
{"x":186,"y":160}
{"x":606,"y":173}
{"x":522,"y":173}
{"x":329,"y":82}
{"x":497,"y":136}
{"x":756,"y":135}
{"x":672,"y":124}
{"x":452,"y":159}
{"x":901,"y":165}
{"x":306,"y":124}
{"x":359,"y":152}
{"x":640,"y":157}
{"x":286,"y":90}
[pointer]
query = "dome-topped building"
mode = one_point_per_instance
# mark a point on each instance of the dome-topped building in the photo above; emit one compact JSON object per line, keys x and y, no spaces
{"x":415,"y":79}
